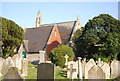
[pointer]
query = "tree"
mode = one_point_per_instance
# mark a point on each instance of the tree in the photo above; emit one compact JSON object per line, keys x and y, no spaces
{"x":12,"y":36}
{"x":77,"y":34}
{"x":57,"y":55}
{"x":100,"y":38}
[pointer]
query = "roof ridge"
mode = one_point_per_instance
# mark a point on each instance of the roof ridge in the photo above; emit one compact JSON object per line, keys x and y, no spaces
{"x":57,"y":23}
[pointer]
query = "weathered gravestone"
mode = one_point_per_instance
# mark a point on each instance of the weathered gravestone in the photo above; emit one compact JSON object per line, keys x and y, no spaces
{"x":25,"y":67}
{"x":96,"y":74}
{"x":99,"y":62}
{"x":8,"y":63}
{"x":88,"y":66}
{"x":1,"y":63}
{"x":83,"y":67}
{"x":106,"y":70}
{"x":72,"y":69}
{"x":79,"y":68}
{"x":115,"y":69}
{"x":17,"y":61}
{"x":45,"y":71}
{"x":13,"y":73}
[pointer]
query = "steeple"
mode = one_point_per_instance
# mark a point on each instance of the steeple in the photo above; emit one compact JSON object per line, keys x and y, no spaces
{"x":38,"y":19}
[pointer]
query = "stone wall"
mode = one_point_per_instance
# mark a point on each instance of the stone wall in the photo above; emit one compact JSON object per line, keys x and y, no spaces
{"x":33,"y":57}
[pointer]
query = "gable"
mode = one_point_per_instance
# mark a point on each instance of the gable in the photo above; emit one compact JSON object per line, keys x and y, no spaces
{"x":37,"y":38}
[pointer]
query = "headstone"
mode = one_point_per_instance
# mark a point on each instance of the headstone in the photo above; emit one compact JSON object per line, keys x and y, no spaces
{"x":25,"y":67}
{"x":13,"y":73}
{"x":79,"y":68}
{"x":88,"y":66}
{"x":96,"y":72}
{"x":83,"y":67}
{"x":115,"y":69}
{"x":8,"y":63}
{"x":45,"y":71}
{"x":106,"y":70}
{"x":66,"y":59}
{"x":42,"y":57}
{"x":72,"y":69}
{"x":17,"y":61}
{"x":99,"y":62}
{"x":1,"y":64}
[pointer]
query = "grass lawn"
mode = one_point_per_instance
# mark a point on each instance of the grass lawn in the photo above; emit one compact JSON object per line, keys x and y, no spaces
{"x":32,"y":72}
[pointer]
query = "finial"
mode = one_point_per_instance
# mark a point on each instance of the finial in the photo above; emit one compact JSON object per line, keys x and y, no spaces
{"x":77,"y":17}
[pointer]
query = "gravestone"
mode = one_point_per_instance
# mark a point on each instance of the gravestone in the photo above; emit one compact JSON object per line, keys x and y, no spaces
{"x":42,"y":57}
{"x":79,"y":68}
{"x":1,"y":64}
{"x":96,"y":72}
{"x":25,"y":67}
{"x":8,"y":63}
{"x":106,"y":70}
{"x":115,"y":69}
{"x":99,"y":62}
{"x":45,"y":71}
{"x":83,"y":67}
{"x":88,"y":66}
{"x":17,"y":61}
{"x":72,"y":69}
{"x":13,"y":73}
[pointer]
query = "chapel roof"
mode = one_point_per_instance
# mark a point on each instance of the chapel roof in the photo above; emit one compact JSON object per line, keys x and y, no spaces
{"x":38,"y":37}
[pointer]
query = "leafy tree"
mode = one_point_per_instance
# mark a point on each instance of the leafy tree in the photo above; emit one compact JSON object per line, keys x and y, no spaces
{"x":100,"y":38}
{"x":77,"y":34}
{"x":12,"y":36}
{"x":57,"y":55}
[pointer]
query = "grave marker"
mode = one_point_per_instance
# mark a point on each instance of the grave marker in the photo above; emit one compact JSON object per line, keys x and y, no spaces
{"x":25,"y":67}
{"x":88,"y":66}
{"x":45,"y":71}
{"x":72,"y":70}
{"x":115,"y":69}
{"x":66,"y":59}
{"x":83,"y":67}
{"x":13,"y":73}
{"x":79,"y":67}
{"x":8,"y":63}
{"x":106,"y":70}
{"x":17,"y":61}
{"x":96,"y":72}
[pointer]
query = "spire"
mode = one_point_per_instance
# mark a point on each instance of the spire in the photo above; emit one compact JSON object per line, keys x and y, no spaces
{"x":77,"y":17}
{"x":38,"y":19}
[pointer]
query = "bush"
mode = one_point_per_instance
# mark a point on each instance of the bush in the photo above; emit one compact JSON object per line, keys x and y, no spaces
{"x":58,"y":55}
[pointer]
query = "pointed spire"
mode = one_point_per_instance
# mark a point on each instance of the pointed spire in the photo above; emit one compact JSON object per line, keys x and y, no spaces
{"x":38,"y":19}
{"x":77,"y":17}
{"x":38,"y":15}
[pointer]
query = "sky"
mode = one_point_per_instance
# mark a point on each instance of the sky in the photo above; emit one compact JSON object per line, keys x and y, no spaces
{"x":24,"y":13}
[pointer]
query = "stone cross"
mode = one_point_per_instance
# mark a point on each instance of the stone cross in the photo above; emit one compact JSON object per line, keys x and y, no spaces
{"x":42,"y":58}
{"x":79,"y":68}
{"x":71,"y":71}
{"x":66,"y":58}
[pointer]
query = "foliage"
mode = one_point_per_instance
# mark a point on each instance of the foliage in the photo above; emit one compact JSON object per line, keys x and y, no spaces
{"x":12,"y":36}
{"x":100,"y":38}
{"x":77,"y":34}
{"x":58,"y":55}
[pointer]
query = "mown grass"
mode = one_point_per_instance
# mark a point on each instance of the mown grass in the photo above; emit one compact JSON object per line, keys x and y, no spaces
{"x":32,"y":72}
